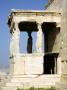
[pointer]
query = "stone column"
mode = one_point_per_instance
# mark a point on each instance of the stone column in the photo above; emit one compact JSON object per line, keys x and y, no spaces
{"x":39,"y":39}
{"x":14,"y":42}
{"x":29,"y":43}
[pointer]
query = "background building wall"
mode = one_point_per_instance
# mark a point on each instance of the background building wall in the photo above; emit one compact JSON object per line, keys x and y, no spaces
{"x":56,"y":5}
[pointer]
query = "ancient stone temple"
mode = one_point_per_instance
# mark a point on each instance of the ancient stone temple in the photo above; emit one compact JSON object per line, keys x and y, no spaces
{"x":39,"y":68}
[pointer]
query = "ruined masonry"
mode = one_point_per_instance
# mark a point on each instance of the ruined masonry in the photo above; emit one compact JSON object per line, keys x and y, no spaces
{"x":39,"y":68}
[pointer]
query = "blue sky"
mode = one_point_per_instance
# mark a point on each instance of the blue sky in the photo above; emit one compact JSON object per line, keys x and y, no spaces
{"x":5,"y":8}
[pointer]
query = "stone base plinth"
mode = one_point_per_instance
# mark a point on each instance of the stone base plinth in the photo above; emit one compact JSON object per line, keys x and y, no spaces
{"x":27,"y":64}
{"x":9,"y":88}
{"x":27,"y":81}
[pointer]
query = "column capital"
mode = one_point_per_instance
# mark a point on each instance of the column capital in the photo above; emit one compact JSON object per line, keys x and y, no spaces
{"x":39,"y":27}
{"x":14,"y":27}
{"x":39,"y":23}
{"x":58,"y":24}
{"x":15,"y":24}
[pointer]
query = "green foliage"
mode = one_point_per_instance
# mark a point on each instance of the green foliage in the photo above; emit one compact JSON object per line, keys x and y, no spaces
{"x":32,"y":88}
{"x":52,"y":88}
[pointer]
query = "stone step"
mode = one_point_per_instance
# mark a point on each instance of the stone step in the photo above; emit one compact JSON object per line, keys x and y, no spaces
{"x":8,"y":88}
{"x":24,"y":76}
{"x":37,"y":82}
{"x":34,"y":83}
{"x":19,"y":84}
{"x":34,"y":78}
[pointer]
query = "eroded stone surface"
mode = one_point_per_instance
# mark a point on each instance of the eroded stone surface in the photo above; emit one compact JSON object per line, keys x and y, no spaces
{"x":27,"y":69}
